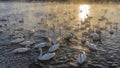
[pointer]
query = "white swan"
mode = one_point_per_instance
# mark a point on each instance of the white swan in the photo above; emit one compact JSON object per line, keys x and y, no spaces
{"x":27,"y":43}
{"x":92,"y":46}
{"x":81,"y":57}
{"x":46,"y":56}
{"x":54,"y":38}
{"x":18,"y":40}
{"x":42,"y":44}
{"x":18,"y":29}
{"x":53,"y":48}
{"x":21,"y":50}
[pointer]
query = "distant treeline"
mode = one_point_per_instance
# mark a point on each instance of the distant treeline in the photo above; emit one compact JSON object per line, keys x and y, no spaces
{"x":70,"y":1}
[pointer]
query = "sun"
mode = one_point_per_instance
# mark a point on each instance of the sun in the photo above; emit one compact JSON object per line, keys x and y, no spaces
{"x":83,"y":11}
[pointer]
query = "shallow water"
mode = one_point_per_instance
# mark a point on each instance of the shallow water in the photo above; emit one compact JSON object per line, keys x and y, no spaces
{"x":33,"y":12}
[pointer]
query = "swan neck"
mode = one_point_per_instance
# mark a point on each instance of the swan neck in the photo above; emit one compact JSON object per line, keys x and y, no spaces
{"x":40,"y":52}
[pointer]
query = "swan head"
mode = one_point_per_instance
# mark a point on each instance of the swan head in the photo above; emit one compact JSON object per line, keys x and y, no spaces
{"x":81,"y":51}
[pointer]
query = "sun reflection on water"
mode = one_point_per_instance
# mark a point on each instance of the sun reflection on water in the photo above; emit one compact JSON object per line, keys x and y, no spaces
{"x":84,"y":10}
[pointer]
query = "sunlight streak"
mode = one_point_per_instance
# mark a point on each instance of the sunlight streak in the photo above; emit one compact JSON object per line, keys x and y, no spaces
{"x":83,"y":11}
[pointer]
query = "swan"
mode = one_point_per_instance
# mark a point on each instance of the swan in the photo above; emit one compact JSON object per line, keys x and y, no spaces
{"x":18,"y":40}
{"x":85,"y":33}
{"x":27,"y":43}
{"x":53,"y":48}
{"x":54,"y":37}
{"x":18,"y":28}
{"x":95,"y":37}
{"x":98,"y":31}
{"x":81,"y":57}
{"x":116,"y":27}
{"x":111,"y":30}
{"x":21,"y":50}
{"x":17,"y":35}
{"x":92,"y":46}
{"x":42,"y":44}
{"x":46,"y":56}
{"x":83,"y":40}
{"x":1,"y":31}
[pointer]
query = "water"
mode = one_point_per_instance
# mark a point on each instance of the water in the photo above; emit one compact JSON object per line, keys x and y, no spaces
{"x":68,"y":14}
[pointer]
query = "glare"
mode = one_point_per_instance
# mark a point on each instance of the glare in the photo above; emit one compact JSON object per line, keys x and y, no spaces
{"x":83,"y":11}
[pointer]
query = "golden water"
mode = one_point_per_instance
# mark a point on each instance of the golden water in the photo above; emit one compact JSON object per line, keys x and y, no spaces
{"x":67,"y":14}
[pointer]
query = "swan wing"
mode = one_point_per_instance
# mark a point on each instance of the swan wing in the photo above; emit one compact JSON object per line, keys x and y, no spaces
{"x":47,"y":56}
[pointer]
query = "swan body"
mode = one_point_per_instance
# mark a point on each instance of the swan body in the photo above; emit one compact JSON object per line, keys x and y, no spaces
{"x":81,"y":57}
{"x":17,"y":35}
{"x":46,"y":56}
{"x":92,"y":46}
{"x":53,"y":48}
{"x":95,"y":37}
{"x":111,"y":32}
{"x":18,"y":40}
{"x":19,"y":29}
{"x":85,"y":33}
{"x":27,"y":43}
{"x":98,"y":31}
{"x":1,"y":31}
{"x":21,"y":50}
{"x":40,"y":45}
{"x":83,"y":40}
